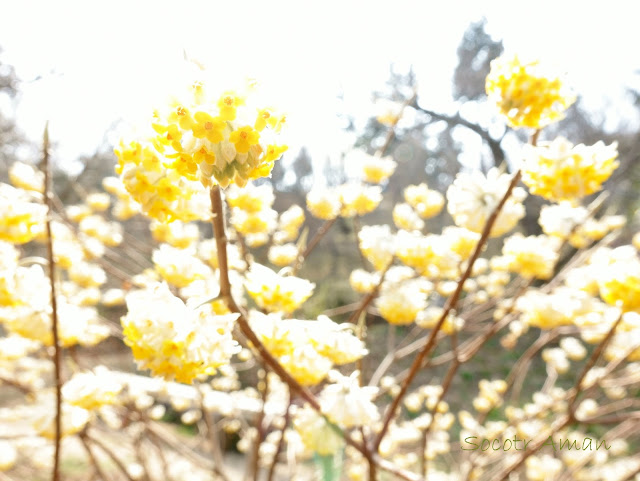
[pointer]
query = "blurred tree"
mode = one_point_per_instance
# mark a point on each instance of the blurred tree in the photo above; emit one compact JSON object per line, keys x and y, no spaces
{"x":10,"y":138}
{"x":303,"y":170}
{"x":475,"y":53}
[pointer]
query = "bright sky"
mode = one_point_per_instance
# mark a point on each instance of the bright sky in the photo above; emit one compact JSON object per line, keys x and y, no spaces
{"x":99,"y":62}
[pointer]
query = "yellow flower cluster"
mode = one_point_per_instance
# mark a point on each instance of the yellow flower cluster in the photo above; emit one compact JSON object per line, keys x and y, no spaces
{"x":428,"y":319}
{"x":289,"y":225}
{"x":426,"y":202}
{"x":200,"y":135}
{"x":174,"y":341}
{"x":400,"y":303}
{"x":572,"y":223}
{"x":430,"y":255}
{"x":490,"y":395}
{"x":156,"y":184}
{"x":21,"y":216}
{"x":619,"y":284}
{"x":388,"y":112}
{"x":373,"y":169}
{"x":324,"y":203}
{"x":533,"y":256}
{"x":92,"y":390}
{"x":559,"y":308}
{"x":274,"y":292}
{"x":525,"y":95}
{"x":26,"y":177}
{"x":404,"y":217}
{"x":176,"y":234}
{"x":179,"y":267}
{"x":307,"y":349}
{"x":377,"y":244}
{"x":25,"y":310}
{"x":252,"y":216}
{"x":359,"y":199}
{"x":73,"y":419}
{"x":560,"y":171}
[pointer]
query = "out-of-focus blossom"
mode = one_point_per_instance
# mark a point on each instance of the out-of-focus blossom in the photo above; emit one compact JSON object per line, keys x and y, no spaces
{"x":472,"y":198}
{"x":525,"y":94}
{"x":560,"y":171}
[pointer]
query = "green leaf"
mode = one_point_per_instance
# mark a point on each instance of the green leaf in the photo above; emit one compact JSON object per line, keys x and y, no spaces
{"x":329,"y":466}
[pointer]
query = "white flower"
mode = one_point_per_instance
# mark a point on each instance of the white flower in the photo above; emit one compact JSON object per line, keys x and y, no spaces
{"x":404,"y":217}
{"x":274,"y":292}
{"x":473,"y":197}
{"x":400,"y":304}
{"x":377,"y":244}
{"x":173,"y":340}
{"x":346,"y":403}
{"x":91,"y":390}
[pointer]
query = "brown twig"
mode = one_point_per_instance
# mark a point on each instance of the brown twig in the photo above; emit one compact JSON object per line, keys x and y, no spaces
{"x":590,"y":363}
{"x":313,"y":243}
{"x":54,"y":305}
{"x":111,"y":455}
{"x":92,"y":459}
{"x":254,"y":465}
{"x":216,"y":451}
{"x":272,"y":467}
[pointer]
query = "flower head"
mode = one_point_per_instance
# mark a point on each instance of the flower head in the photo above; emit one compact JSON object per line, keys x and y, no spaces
{"x":274,"y":292}
{"x":525,"y":94}
{"x":472,"y":198}
{"x":560,"y":171}
{"x":224,"y":139}
{"x":346,"y":403}
{"x":174,"y":341}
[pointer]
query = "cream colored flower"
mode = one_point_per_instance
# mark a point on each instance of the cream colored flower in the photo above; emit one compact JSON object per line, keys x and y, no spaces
{"x":324,"y":203}
{"x":401,"y":303}
{"x":404,"y":217}
{"x":346,"y":403}
{"x":359,"y":199}
{"x":377,"y":244}
{"x":426,"y":202}
{"x":27,"y":177}
{"x":173,"y":340}
{"x":274,"y":292}
{"x":560,"y":171}
{"x":91,"y":390}
{"x":472,"y":198}
{"x":179,"y":267}
{"x":21,"y":218}
{"x":533,"y":256}
{"x":283,"y":255}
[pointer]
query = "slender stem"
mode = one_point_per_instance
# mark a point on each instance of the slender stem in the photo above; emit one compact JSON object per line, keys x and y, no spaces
{"x":254,"y":466}
{"x":111,"y":454}
{"x":92,"y":459}
{"x":366,"y":300}
{"x":590,"y":363}
{"x":272,"y":467}
{"x":216,"y":451}
{"x":451,"y":304}
{"x":313,"y":243}
{"x":54,"y":305}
